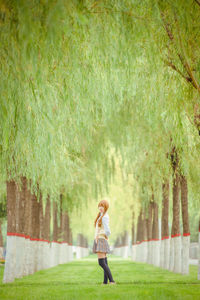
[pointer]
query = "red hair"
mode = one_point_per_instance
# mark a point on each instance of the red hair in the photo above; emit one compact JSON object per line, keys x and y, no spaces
{"x":105,"y":204}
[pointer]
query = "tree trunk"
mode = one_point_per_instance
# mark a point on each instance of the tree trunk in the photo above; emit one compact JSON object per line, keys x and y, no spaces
{"x":67,"y":228}
{"x":35,"y":231}
{"x":149,"y":233}
{"x":143,"y":238}
{"x":78,"y":246}
{"x":20,"y":227}
{"x":175,"y":234}
{"x":40,"y":265}
{"x":84,"y":246}
{"x":70,"y":243}
{"x":27,"y":231}
{"x":185,"y":221}
{"x":1,"y":241}
{"x":133,"y":249}
{"x":47,"y":250}
{"x":55,"y":222}
{"x":81,"y":244}
{"x":116,"y":246}
{"x":133,"y":228}
{"x":55,"y":235}
{"x":65,"y":236}
{"x":139,"y":237}
{"x":155,"y":236}
{"x":124,"y":247}
{"x":10,"y":263}
{"x":165,"y":241}
{"x":61,"y":233}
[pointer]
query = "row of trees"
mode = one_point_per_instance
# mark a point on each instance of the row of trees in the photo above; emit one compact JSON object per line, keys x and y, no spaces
{"x":172,"y":250}
{"x":51,"y":140}
{"x":79,"y":79}
{"x":165,"y":127}
{"x":30,"y":245}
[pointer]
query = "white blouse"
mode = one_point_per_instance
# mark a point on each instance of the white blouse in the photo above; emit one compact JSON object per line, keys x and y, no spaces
{"x":105,"y":228}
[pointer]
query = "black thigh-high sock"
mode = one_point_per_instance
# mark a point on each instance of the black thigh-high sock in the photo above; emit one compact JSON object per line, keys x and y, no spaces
{"x":106,"y":268}
{"x":105,"y":275}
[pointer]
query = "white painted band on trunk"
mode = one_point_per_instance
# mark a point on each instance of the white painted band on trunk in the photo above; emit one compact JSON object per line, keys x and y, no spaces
{"x":10,"y":261}
{"x":185,"y":254}
{"x":177,"y":254}
{"x":171,"y":261}
{"x":166,"y":253}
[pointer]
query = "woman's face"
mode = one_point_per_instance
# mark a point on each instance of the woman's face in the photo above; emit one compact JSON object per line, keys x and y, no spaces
{"x":101,"y":208}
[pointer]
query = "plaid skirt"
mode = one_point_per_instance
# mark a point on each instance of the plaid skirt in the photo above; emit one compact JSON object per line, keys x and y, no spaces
{"x":101,"y":246}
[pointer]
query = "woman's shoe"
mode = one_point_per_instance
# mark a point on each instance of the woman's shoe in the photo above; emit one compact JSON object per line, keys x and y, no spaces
{"x":112,"y":282}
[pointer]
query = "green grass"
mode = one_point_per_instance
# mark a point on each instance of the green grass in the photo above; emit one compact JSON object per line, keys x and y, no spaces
{"x":81,"y":279}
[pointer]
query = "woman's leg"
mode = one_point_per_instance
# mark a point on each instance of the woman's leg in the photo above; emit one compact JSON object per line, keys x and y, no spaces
{"x":105,"y":267}
{"x":105,"y":275}
{"x":102,"y":255}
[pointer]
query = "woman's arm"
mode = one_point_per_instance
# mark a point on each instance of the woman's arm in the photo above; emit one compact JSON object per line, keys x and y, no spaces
{"x":105,"y":221}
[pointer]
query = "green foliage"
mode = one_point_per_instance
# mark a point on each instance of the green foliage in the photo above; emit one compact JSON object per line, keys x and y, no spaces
{"x":81,"y":77}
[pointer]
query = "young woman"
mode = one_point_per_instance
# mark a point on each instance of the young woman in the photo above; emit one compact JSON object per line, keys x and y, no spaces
{"x":100,"y":245}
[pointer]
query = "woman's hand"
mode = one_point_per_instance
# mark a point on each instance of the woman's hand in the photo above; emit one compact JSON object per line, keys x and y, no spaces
{"x":106,"y":237}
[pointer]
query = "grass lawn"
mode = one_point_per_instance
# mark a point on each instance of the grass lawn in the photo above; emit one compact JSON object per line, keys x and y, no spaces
{"x":81,"y":279}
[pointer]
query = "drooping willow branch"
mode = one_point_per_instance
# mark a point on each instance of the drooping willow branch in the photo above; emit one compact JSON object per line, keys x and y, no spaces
{"x":197,"y":1}
{"x":190,"y":78}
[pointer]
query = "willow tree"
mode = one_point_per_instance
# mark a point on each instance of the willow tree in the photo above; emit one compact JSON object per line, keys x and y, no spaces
{"x":35,"y":142}
{"x":78,"y":79}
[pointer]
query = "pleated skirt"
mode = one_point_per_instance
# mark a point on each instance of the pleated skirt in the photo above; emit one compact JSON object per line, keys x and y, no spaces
{"x":101,"y":246}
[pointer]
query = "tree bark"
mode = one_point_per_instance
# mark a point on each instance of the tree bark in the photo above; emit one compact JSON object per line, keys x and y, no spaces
{"x":139,"y":237}
{"x":165,"y":241}
{"x":133,"y":228}
{"x":47,"y":250}
{"x":47,"y":219}
{"x":155,"y":236}
{"x":155,"y":229}
{"x":165,"y":210}
{"x":27,"y":230}
{"x":70,"y":237}
{"x":143,"y":244}
{"x":1,"y":241}
{"x":20,"y":226}
{"x":149,"y":233}
{"x":133,"y":249}
{"x":35,"y":231}
{"x":55,"y":222}
{"x":175,"y":233}
{"x":55,"y":234}
{"x":65,"y":236}
{"x":185,"y":221}
{"x":61,"y":232}
{"x":65,"y":227}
